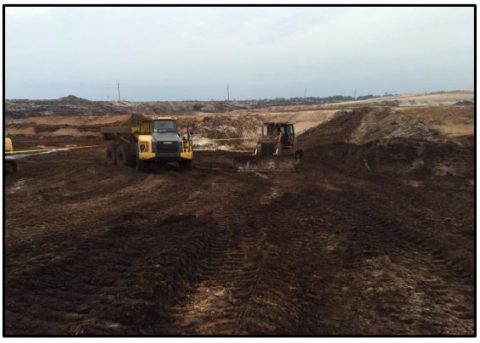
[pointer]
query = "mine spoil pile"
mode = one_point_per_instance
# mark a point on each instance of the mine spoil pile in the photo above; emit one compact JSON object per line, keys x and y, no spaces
{"x":372,"y":235}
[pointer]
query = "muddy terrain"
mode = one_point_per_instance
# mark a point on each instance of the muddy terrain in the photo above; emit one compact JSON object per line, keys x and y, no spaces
{"x":373,"y":234}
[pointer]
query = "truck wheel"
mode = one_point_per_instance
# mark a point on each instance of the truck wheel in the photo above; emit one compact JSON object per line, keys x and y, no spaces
{"x":110,"y":155}
{"x":185,"y":164}
{"x":143,"y":166}
{"x":122,"y":155}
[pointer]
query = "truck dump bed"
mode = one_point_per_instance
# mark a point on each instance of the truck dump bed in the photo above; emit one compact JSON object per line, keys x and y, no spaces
{"x":113,"y":133}
{"x":116,"y":129}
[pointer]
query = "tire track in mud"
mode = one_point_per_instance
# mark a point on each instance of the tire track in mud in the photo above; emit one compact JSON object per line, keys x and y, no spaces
{"x":444,"y":276}
{"x":265,"y":302}
{"x":301,"y":255}
{"x":75,"y":192}
{"x":264,"y":294}
{"x":274,"y":308}
{"x":342,"y":238}
{"x":226,"y":278}
{"x":118,"y":297}
{"x":78,"y":293}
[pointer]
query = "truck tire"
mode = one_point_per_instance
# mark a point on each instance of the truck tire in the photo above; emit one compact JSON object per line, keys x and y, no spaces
{"x":110,"y":155}
{"x":122,"y":155}
{"x":143,"y":166}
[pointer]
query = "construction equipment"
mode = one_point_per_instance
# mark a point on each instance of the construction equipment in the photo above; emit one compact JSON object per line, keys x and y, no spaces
{"x":11,"y":157}
{"x":276,"y":150}
{"x":10,"y":165}
{"x":148,"y":140}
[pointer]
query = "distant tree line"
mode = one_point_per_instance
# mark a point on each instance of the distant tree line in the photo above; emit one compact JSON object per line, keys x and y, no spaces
{"x":328,"y":99}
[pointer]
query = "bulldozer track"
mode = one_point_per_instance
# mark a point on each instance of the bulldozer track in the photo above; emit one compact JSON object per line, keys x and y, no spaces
{"x":227,"y":277}
{"x":227,"y":274}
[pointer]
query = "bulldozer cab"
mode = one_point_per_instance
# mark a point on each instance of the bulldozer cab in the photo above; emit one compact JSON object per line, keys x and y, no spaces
{"x":283,"y":131}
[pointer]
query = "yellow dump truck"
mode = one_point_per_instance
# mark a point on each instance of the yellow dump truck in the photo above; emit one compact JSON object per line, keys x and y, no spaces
{"x":148,"y":140}
{"x":10,"y":165}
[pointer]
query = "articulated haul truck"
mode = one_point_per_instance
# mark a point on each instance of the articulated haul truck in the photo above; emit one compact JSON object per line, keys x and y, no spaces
{"x":148,"y":140}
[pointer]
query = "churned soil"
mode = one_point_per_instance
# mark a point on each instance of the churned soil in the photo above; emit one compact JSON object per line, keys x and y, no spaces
{"x":351,"y":243}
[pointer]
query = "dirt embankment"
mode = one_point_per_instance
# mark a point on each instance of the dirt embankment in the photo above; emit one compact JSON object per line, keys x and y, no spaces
{"x":452,"y":120}
{"x":376,"y":140}
{"x":452,"y":98}
{"x":365,"y":125}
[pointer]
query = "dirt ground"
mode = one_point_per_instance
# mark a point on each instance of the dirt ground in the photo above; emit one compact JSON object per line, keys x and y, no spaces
{"x":354,"y":242}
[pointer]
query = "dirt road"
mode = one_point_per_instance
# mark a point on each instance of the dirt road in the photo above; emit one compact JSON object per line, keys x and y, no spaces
{"x":92,"y":249}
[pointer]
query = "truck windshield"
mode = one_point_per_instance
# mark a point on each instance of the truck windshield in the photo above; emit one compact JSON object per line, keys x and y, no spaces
{"x":160,"y":126}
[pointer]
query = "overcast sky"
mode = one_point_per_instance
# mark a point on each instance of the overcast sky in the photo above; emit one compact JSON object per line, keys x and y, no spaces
{"x":192,"y":53}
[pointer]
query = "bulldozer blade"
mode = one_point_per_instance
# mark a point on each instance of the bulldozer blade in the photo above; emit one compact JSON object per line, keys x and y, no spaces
{"x":256,"y":163}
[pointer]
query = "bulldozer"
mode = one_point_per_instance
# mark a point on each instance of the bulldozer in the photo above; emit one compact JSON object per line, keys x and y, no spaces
{"x":276,"y":150}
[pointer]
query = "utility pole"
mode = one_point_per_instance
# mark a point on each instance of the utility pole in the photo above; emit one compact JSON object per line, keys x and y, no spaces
{"x":355,"y":94}
{"x":304,"y":93}
{"x":118,"y":85}
{"x":228,"y":92}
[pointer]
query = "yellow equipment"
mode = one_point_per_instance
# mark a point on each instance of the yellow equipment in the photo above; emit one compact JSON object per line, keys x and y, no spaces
{"x":11,"y":157}
{"x":276,"y":150}
{"x":10,"y":165}
{"x":148,"y":140}
{"x":8,"y":145}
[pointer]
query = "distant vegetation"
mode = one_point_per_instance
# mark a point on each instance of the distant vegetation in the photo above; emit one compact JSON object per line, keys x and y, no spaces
{"x":328,"y":99}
